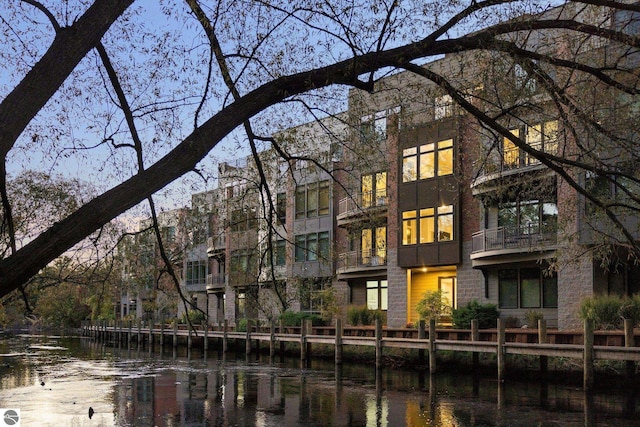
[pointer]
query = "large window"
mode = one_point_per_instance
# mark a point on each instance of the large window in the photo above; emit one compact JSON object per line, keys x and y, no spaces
{"x":377,"y":295}
{"x":243,"y":219}
{"x":409,"y":228}
{"x":527,"y":288}
{"x":427,"y":161}
{"x":374,"y":189}
{"x":196,"y":273}
{"x":541,"y":137}
{"x":374,"y":245}
{"x":528,"y":217}
{"x":433,"y":224}
{"x":280,"y":252}
{"x":281,"y":208}
{"x":374,"y":127}
{"x":312,"y":247}
{"x":312,"y":200}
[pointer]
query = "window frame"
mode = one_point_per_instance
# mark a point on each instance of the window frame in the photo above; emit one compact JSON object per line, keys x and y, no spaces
{"x":413,"y":220}
{"x":524,"y":292}
{"x":428,"y":161}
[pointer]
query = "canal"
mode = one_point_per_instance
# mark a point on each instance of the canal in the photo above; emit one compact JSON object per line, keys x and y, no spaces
{"x":56,"y":381}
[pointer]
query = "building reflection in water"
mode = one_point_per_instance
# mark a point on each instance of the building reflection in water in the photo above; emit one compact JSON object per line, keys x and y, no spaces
{"x":260,"y":393}
{"x":177,"y":388}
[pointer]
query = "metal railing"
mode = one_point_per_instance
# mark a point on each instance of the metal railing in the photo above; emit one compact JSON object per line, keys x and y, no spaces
{"x":215,"y":281}
{"x":524,"y":237}
{"x":359,"y":202}
{"x":361,"y":259}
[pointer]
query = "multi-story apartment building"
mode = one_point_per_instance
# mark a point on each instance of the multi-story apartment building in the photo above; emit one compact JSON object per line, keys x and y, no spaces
{"x":147,"y":289}
{"x":406,"y":193}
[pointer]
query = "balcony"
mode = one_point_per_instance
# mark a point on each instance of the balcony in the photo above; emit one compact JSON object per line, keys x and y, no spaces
{"x":359,"y":204}
{"x":510,"y":241}
{"x":510,"y":164}
{"x":215,"y":283}
{"x":355,"y":263}
{"x":216,"y":246}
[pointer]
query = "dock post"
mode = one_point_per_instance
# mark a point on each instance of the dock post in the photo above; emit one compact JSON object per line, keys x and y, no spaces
{"x":248,"y":338}
{"x":225,"y":336}
{"x":130,"y":334}
{"x":629,"y":342}
{"x":422,"y":334}
{"x":338,"y":341}
{"x":162,"y":332}
{"x":588,"y":355}
{"x":475,"y":336}
{"x":500,"y":350}
{"x":378,"y":343}
{"x":205,"y":345}
{"x":432,"y":346}
{"x":303,"y":340}
{"x":272,"y":338}
{"x":189,"y":335}
{"x":542,"y":339}
{"x":281,"y":330}
{"x":175,"y":333}
{"x":150,"y":339}
{"x":139,"y":332}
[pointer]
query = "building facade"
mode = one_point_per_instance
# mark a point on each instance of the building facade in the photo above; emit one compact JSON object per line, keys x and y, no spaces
{"x":406,"y":193}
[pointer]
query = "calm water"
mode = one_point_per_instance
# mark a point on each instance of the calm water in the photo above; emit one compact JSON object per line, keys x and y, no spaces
{"x":54,"y":381}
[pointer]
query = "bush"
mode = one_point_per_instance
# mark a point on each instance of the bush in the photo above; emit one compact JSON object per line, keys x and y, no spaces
{"x":353,"y":315}
{"x":532,"y":317}
{"x":195,"y":316}
{"x":291,"y":318}
{"x":362,"y":315}
{"x":608,"y":311}
{"x":242,"y":325}
{"x":486,"y":314}
{"x":433,"y":305}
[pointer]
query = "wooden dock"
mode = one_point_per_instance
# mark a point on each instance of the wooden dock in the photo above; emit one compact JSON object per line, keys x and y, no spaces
{"x":588,"y":345}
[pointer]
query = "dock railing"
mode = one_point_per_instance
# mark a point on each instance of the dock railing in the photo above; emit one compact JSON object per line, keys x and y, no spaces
{"x":588,"y":345}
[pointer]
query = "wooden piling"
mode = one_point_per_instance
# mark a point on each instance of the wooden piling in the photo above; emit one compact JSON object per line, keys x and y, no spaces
{"x":338,"y":343}
{"x":378,"y":343}
{"x":500,"y":351}
{"x":282,"y":331}
{"x":205,"y":344}
{"x":303,"y":340}
{"x":432,"y":346}
{"x":629,"y":341}
{"x":247,"y":340}
{"x":588,"y":355}
{"x":162,"y":332}
{"x":130,"y":335}
{"x":543,"y":339}
{"x":475,"y":336}
{"x":150,"y":338}
{"x":225,"y":336}
{"x":272,"y":338}
{"x":175,"y":333}
{"x":139,"y":332}
{"x":422,"y":334}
